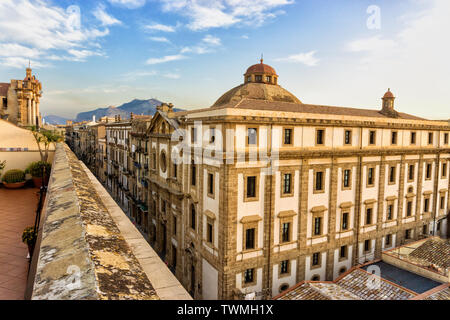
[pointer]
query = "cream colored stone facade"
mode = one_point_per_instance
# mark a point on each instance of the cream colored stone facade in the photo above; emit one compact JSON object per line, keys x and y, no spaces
{"x":20,"y":99}
{"x":286,"y":191}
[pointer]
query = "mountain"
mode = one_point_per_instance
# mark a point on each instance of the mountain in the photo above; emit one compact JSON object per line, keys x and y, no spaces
{"x":146,"y":107}
{"x":52,"y":119}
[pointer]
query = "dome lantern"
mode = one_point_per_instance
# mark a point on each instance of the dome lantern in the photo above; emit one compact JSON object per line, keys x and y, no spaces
{"x":261,"y":73}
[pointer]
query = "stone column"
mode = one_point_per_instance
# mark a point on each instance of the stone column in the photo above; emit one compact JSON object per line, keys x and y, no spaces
{"x":29,"y":111}
{"x":33,"y":106}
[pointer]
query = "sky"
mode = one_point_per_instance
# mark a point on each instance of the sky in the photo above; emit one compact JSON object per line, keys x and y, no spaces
{"x":91,"y":54}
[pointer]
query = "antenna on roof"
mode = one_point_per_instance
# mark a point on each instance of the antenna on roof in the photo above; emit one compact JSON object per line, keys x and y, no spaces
{"x":262,"y":58}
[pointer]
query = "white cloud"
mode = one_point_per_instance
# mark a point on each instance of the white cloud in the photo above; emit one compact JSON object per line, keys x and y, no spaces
{"x":205,"y":14}
{"x":160,"y":39}
{"x":172,"y":76}
{"x":307,"y":58}
{"x":165,"y":59}
{"x":244,"y":36}
{"x":105,"y":18}
{"x":130,"y":4}
{"x":43,"y":30}
{"x":160,"y":27}
{"x":211,"y":40}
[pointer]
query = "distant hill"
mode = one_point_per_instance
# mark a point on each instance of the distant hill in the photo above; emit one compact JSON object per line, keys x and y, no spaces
{"x":145,"y":107}
{"x":52,"y":119}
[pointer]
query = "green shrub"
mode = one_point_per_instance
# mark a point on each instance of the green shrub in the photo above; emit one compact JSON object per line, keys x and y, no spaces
{"x":13,"y":176}
{"x":35,"y":169}
{"x":29,"y":236}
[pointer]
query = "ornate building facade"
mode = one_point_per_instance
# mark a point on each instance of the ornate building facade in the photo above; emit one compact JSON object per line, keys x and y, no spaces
{"x":261,"y":191}
{"x":19,"y":101}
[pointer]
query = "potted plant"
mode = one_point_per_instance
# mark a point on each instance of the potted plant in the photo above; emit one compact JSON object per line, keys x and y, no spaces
{"x":29,"y":238}
{"x":2,"y":166}
{"x":36,"y":170}
{"x":14,"y":179}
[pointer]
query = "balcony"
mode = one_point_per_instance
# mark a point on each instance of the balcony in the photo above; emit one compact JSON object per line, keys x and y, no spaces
{"x":95,"y":238}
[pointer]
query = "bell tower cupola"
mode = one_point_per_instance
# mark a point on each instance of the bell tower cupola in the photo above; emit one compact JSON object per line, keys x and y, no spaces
{"x":388,"y":104}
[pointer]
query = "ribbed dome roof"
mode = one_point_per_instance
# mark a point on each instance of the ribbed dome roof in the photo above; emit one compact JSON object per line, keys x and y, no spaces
{"x":388,"y":94}
{"x":261,"y":68}
{"x":257,"y":91}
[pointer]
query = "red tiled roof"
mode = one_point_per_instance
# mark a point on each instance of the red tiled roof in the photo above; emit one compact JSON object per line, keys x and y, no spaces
{"x":261,"y":68}
{"x":254,"y":104}
{"x":4,"y":89}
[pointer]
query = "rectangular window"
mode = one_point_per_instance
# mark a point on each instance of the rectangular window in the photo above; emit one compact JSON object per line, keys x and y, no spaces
{"x":348,"y":137}
{"x":315,"y":259}
{"x":424,"y":229}
{"x":250,"y":239}
{"x":343,"y":252}
{"x":430,"y":137}
{"x":372,"y":137}
{"x":175,"y":167}
{"x":193,"y":135}
{"x":444,"y":170}
{"x":413,"y":138}
{"x":193,"y":217}
{"x":285,"y":232}
{"x":394,"y":137}
{"x":193,"y":174}
{"x":212,"y":135}
{"x":409,"y":209}
{"x":174,"y":256}
{"x":370,"y":177}
{"x":209,"y":232}
{"x":369,"y":216}
{"x":251,"y":136}
{"x":388,"y":240}
{"x":345,"y":221}
{"x":442,"y":203}
{"x":319,"y":181}
{"x":428,"y":171}
{"x":367,"y":245}
{"x":411,"y":172}
{"x":390,"y":211}
{"x":319,"y":136}
{"x":426,"y":205}
{"x":347,"y":178}
{"x":248,"y":275}
{"x":445,"y":138}
{"x":210,"y":183}
{"x":174,"y":225}
{"x":408,"y":234}
{"x":317,"y":226}
{"x":287,"y":183}
{"x":284,"y":267}
{"x":287,"y":136}
{"x":392,"y":174}
{"x":251,"y":187}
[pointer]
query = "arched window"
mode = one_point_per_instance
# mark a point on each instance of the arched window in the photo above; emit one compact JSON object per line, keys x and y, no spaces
{"x":193,"y":217}
{"x":193,"y":173}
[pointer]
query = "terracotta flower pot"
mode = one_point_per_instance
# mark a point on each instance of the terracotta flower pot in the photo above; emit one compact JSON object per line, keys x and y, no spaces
{"x":15,"y":185}
{"x":38,"y":182}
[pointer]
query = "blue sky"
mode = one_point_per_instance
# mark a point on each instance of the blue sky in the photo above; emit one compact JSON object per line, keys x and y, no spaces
{"x":91,"y":54}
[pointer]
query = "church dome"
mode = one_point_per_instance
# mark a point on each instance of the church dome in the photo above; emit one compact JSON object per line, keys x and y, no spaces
{"x":388,"y":94}
{"x":261,"y":68}
{"x":260,"y":83}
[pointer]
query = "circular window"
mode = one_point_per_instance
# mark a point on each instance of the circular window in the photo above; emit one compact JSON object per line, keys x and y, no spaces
{"x":163,"y":161}
{"x":284,"y":287}
{"x":315,"y":278}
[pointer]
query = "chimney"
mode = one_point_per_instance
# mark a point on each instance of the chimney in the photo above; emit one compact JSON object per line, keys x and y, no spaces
{"x":131,"y":116}
{"x":93,"y":118}
{"x":118,"y":117}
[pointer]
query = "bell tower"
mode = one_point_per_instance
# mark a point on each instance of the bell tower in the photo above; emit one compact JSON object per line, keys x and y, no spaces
{"x":388,"y":105}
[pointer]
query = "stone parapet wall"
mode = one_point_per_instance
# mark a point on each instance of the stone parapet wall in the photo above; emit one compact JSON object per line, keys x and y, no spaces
{"x":88,"y":248}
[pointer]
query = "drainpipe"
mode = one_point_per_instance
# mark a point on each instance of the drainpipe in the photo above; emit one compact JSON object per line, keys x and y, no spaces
{"x":270,"y":214}
{"x":358,"y":198}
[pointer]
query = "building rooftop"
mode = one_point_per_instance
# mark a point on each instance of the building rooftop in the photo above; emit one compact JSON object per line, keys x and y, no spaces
{"x":404,"y":278}
{"x":4,"y":89}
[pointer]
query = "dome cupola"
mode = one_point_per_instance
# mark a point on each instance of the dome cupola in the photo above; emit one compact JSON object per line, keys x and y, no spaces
{"x":261,"y":73}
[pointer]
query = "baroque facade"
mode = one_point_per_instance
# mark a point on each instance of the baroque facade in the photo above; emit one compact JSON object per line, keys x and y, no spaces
{"x":19,"y":101}
{"x":261,"y":191}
